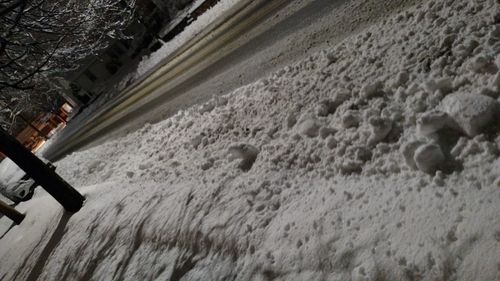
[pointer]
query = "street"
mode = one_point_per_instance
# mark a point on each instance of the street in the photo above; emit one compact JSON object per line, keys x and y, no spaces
{"x":277,"y":33}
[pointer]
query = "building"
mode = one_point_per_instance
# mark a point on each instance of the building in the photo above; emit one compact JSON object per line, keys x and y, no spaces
{"x":41,"y":128}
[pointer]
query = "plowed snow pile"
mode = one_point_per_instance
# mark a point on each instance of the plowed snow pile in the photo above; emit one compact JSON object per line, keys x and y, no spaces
{"x":375,"y":160}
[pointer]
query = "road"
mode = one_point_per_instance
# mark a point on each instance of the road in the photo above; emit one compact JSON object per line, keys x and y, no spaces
{"x":277,"y":34}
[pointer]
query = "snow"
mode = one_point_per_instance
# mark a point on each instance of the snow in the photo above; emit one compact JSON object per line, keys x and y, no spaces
{"x":261,"y":185}
{"x":471,"y":112}
{"x":429,"y":158}
{"x":155,"y":60}
{"x":191,"y":31}
{"x":10,"y":172}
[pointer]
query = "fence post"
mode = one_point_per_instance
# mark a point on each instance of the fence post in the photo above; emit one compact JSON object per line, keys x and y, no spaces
{"x":48,"y":179}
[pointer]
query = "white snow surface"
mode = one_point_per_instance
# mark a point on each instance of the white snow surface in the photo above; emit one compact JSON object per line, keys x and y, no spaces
{"x":9,"y":172}
{"x":290,"y":179}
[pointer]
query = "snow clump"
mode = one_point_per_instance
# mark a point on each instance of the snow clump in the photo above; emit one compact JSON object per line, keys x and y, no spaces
{"x":471,"y":112}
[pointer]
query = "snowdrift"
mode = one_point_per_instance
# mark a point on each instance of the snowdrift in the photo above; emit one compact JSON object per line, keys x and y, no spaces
{"x":377,"y":159}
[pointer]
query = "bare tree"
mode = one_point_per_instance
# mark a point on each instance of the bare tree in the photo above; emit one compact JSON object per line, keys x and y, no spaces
{"x":43,"y":39}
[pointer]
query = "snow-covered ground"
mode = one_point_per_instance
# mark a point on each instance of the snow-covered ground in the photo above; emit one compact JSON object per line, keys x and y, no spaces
{"x":376,"y":159}
{"x":10,"y":172}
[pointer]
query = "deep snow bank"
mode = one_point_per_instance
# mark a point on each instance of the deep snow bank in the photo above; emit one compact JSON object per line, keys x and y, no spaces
{"x":375,"y":160}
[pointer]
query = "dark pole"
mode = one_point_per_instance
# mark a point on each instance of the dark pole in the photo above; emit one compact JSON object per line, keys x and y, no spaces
{"x":11,"y":213}
{"x":66,"y":195}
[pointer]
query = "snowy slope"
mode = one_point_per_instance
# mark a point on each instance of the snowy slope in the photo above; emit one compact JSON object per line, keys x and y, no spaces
{"x":377,"y":159}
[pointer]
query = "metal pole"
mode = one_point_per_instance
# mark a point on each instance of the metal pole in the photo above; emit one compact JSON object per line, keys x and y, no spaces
{"x":64,"y":193}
